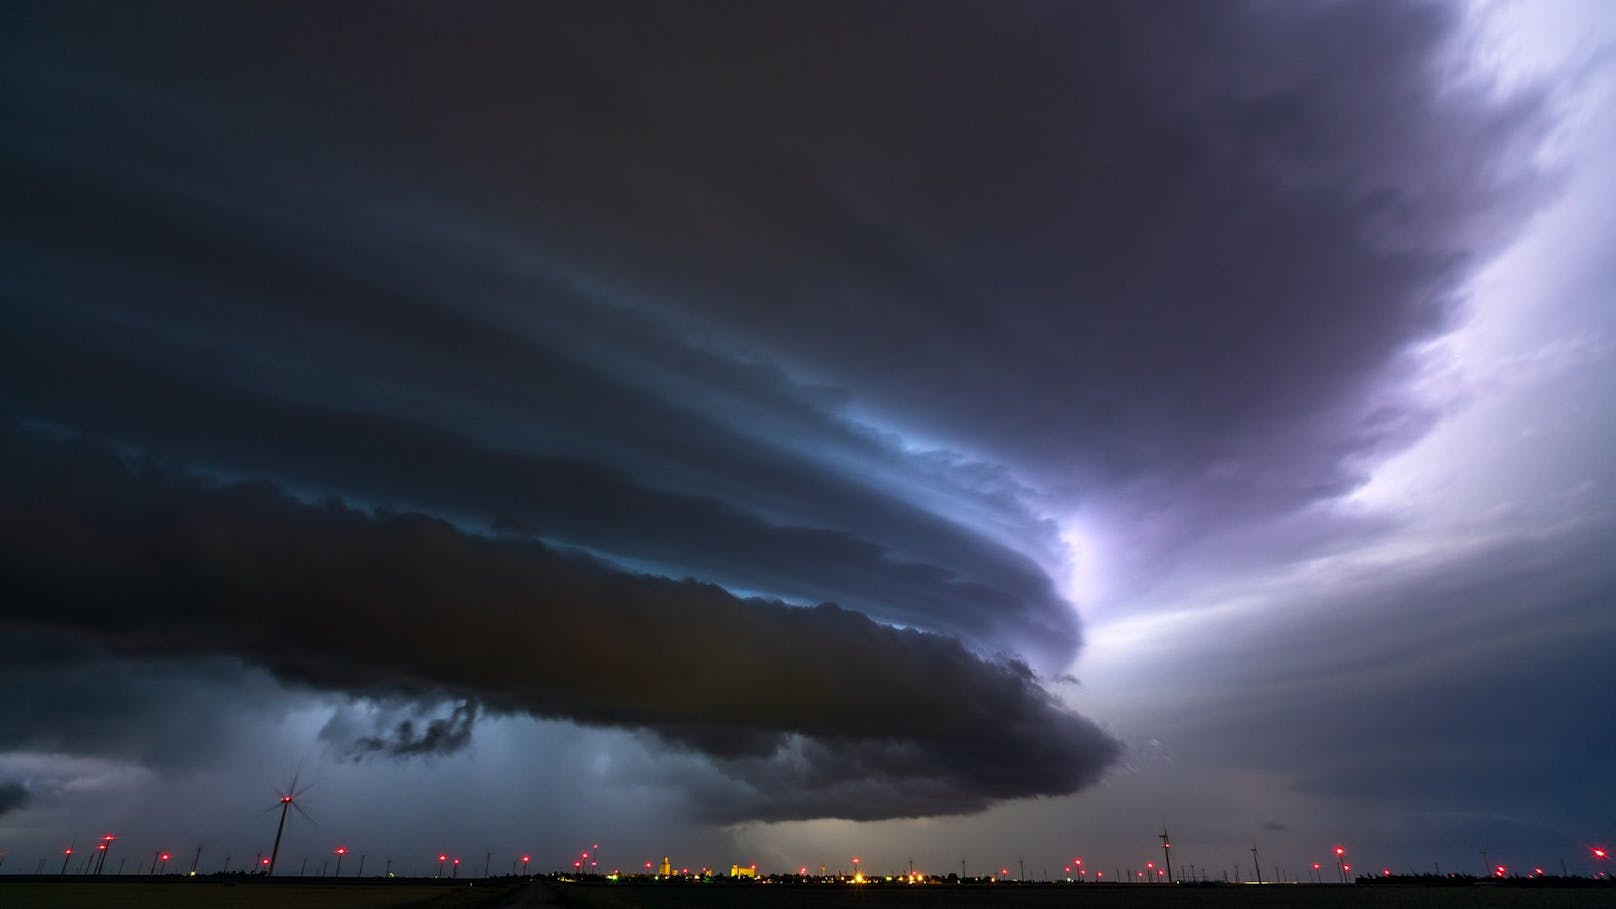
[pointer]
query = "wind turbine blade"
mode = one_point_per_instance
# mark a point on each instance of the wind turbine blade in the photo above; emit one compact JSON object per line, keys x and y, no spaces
{"x":306,"y":816}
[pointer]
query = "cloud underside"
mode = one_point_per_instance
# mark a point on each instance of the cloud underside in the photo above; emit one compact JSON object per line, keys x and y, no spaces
{"x":817,"y":711}
{"x":13,"y":797}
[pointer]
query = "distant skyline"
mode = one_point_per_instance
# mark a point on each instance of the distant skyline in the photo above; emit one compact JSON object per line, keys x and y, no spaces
{"x":778,"y":432}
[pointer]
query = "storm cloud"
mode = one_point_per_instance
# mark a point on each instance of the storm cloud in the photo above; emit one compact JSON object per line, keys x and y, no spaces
{"x":403,"y":605}
{"x":13,"y":796}
{"x":1168,"y":297}
{"x":770,"y":387}
{"x":414,"y":735}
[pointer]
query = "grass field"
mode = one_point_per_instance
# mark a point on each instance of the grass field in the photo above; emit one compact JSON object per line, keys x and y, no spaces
{"x":203,"y":894}
{"x":943,"y":896}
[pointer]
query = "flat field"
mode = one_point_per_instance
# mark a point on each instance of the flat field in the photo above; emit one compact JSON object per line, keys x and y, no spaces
{"x":209,"y":894}
{"x":20,"y":893}
{"x":944,"y":896}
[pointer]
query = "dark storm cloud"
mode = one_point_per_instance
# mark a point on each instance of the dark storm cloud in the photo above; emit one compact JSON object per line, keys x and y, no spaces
{"x":968,"y":586}
{"x":1162,"y":260}
{"x":402,"y":605}
{"x":1458,"y":684}
{"x":62,"y":694}
{"x":13,"y":797}
{"x":418,"y":735}
{"x":328,"y":315}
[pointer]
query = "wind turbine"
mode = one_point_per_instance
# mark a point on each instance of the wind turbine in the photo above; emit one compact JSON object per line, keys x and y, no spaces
{"x":288,"y":799}
{"x":1167,"y":843}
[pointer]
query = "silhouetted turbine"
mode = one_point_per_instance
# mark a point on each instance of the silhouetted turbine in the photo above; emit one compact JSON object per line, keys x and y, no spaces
{"x":288,"y":799}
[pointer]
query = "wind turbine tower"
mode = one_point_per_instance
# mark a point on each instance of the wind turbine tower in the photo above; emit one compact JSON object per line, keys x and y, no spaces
{"x":288,"y":801}
{"x":1167,"y":860}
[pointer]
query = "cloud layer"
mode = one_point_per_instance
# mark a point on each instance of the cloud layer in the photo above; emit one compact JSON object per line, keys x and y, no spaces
{"x":821,"y":709}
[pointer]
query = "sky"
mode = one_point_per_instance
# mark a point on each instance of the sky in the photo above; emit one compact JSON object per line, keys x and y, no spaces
{"x":777,"y":432}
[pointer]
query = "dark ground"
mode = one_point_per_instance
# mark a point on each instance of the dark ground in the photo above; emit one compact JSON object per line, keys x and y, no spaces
{"x":1012,"y":896}
{"x":26,"y":892}
{"x":30,"y":892}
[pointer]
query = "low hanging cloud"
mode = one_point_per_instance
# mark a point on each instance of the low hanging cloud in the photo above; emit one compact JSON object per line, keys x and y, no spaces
{"x":13,"y":797}
{"x":902,"y":564}
{"x":820,"y":711}
{"x":413,"y":735}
